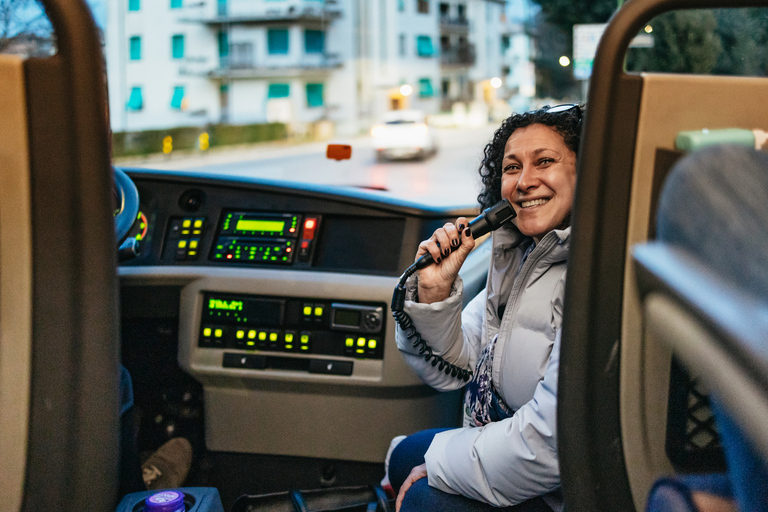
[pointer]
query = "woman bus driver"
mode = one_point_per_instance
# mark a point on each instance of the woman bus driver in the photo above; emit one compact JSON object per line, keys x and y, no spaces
{"x":508,"y":336}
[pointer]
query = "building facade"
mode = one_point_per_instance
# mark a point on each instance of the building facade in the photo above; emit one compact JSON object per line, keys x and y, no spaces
{"x":193,"y":62}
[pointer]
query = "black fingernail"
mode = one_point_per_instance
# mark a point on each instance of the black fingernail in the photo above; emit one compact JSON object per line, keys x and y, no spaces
{"x":468,"y":232}
{"x":455,"y":243}
{"x":461,"y":227}
{"x":446,"y":252}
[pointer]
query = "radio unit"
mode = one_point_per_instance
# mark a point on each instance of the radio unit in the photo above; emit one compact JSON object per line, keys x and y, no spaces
{"x":292,"y":325}
{"x":264,"y":238}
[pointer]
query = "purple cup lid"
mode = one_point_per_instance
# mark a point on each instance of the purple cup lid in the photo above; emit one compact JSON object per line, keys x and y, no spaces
{"x":165,"y":501}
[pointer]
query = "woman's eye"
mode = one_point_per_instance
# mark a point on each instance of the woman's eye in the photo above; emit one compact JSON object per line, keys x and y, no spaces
{"x":511,"y":168}
{"x":545,"y":161}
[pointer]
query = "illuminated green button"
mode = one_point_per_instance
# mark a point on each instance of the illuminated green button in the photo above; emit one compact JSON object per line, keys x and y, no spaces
{"x":186,"y":223}
{"x":218,"y":333}
{"x":371,"y":343}
{"x":240,"y":334}
{"x":251,"y":343}
{"x":262,"y":335}
{"x":305,"y":347}
{"x":251,"y":334}
{"x":192,"y":253}
{"x":273,"y":336}
{"x":288,"y":347}
{"x":318,"y":311}
{"x":304,"y":339}
{"x":196,"y":231}
{"x":193,"y":244}
{"x":182,"y":244}
{"x":350,"y":342}
{"x":184,"y":231}
{"x":288,"y":337}
{"x":360,"y":351}
{"x":198,"y":223}
{"x":207,"y":332}
{"x":307,"y":310}
{"x":360,"y":342}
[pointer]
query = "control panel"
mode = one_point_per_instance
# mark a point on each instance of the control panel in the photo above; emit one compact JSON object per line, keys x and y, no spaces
{"x":268,"y":326}
{"x":264,"y":238}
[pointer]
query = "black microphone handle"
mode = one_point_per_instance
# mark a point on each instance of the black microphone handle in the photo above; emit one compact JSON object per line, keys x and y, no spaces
{"x":489,"y":220}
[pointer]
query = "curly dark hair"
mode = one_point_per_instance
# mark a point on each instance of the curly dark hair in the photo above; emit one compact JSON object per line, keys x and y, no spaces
{"x":567,"y":123}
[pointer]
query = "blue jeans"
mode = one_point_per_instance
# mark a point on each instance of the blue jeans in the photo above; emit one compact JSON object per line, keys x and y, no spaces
{"x":715,"y":207}
{"x":423,"y":498}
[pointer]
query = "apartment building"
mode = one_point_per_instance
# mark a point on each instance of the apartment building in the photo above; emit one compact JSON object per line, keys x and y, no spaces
{"x":192,"y":62}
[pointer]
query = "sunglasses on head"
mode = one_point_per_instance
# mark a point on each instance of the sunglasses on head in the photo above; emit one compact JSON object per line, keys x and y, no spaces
{"x":565,"y":107}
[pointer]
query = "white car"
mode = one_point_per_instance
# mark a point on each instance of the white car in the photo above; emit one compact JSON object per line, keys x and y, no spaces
{"x":403,"y":134}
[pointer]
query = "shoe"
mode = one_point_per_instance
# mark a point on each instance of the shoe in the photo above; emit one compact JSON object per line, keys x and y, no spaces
{"x":168,"y":467}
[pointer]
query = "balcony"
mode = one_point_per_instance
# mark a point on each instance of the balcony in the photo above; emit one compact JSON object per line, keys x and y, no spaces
{"x":457,"y":25}
{"x":458,"y":56}
{"x":242,"y":65}
{"x":246,"y":11}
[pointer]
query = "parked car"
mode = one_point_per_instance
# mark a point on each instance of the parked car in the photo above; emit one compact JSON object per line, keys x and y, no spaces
{"x":403,"y":134}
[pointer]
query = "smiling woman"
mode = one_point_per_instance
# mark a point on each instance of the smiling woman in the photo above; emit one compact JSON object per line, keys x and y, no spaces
{"x":508,"y":337}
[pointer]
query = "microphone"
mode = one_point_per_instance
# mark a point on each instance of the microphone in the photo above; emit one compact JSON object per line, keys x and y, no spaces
{"x":489,"y":220}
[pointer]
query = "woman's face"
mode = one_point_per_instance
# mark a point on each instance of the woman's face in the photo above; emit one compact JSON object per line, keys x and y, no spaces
{"x":539,"y":178}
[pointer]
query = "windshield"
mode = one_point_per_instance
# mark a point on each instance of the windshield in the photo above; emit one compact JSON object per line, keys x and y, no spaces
{"x":258,"y":88}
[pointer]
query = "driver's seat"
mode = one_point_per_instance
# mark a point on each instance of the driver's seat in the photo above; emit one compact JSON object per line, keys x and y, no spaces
{"x":58,"y":286}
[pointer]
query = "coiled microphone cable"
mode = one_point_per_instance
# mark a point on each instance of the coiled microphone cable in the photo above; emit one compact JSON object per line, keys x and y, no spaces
{"x":487,"y":221}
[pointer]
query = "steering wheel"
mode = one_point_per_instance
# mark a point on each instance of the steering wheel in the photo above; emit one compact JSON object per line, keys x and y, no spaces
{"x":126,"y":204}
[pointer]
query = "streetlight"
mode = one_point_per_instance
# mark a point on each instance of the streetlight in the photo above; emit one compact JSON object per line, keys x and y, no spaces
{"x":495,"y":82}
{"x":406,"y":90}
{"x":564,"y":61}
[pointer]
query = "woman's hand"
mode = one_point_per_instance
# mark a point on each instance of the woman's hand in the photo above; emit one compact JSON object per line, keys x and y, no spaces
{"x":449,"y":247}
{"x":416,"y":473}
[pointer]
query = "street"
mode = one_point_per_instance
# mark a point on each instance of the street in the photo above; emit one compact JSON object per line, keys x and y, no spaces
{"x":449,"y":178}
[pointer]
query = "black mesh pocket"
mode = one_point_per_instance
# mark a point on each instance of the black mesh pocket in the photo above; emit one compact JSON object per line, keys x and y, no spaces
{"x":693,"y":442}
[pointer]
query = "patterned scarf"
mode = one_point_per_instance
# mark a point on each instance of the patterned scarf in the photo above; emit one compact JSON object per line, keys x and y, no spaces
{"x":482,"y":403}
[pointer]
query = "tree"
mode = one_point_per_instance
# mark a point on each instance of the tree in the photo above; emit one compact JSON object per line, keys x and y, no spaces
{"x":24,"y":28}
{"x":684,"y":42}
{"x":553,"y":33}
{"x":552,"y":79}
{"x":744,"y":34}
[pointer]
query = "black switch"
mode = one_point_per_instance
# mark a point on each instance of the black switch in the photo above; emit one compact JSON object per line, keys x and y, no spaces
{"x":330,"y":367}
{"x":249,"y":361}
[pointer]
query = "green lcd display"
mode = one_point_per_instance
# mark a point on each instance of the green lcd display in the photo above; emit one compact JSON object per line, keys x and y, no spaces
{"x":225,"y":305}
{"x":260,"y":225}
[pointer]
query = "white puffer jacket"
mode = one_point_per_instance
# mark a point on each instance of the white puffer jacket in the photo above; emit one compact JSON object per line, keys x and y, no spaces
{"x":513,"y":460}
